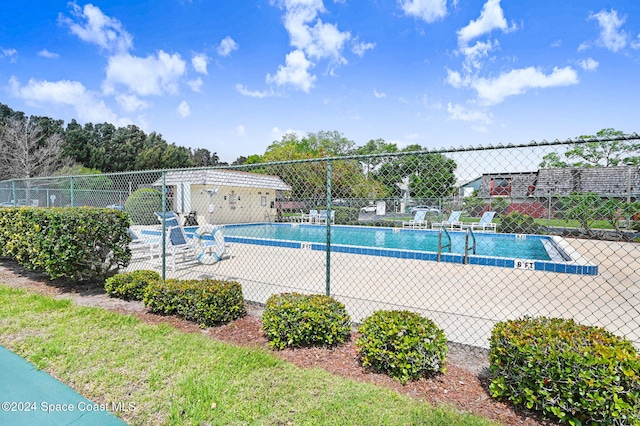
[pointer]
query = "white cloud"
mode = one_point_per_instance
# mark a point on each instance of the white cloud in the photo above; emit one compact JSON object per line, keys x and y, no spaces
{"x":359,"y":48}
{"x":320,"y":40}
{"x":454,"y":78}
{"x":516,"y":82}
{"x":153,"y":75}
{"x":589,"y":64}
{"x":611,"y":36}
{"x":327,"y":42}
{"x":131,"y":103}
{"x":93,"y":26}
{"x":491,"y":18}
{"x":46,"y":54}
{"x":196,"y":85}
{"x":475,"y":54}
{"x":9,"y":53}
{"x":183,"y":110}
{"x":313,"y":39}
{"x":460,"y":113}
{"x":252,"y":93}
{"x":226,"y":46}
{"x":427,"y":10}
{"x":379,"y":95}
{"x":87,"y":105}
{"x":297,"y":16}
{"x":294,"y":73}
{"x":240,"y":130}
{"x":199,"y":62}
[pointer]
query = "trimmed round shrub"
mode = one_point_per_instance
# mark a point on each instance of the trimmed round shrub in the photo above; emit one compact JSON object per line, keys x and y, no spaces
{"x":402,"y":344}
{"x":294,"y":320}
{"x":142,"y":205}
{"x":207,"y":302}
{"x":578,"y":374}
{"x":130,"y":285}
{"x":518,"y":223}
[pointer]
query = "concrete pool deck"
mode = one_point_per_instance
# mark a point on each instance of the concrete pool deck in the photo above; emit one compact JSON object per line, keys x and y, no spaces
{"x":465,"y":300}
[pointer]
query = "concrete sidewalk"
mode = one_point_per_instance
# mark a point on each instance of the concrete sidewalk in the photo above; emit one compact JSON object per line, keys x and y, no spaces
{"x":29,"y":396}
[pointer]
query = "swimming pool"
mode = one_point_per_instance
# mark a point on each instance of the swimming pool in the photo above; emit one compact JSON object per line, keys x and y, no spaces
{"x":534,"y":252}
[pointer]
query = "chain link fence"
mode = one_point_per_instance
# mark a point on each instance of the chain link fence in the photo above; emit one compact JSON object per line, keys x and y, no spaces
{"x":467,"y":237}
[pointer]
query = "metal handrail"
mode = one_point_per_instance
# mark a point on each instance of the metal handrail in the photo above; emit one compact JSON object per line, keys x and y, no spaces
{"x":440,"y":246}
{"x":466,"y":245}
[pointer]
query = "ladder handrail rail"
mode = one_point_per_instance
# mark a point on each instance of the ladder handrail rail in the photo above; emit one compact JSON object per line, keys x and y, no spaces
{"x":440,"y":246}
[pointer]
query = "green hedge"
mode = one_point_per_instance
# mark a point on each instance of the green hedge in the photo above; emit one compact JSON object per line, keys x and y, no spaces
{"x":81,"y":243}
{"x":575,"y":373}
{"x":130,"y":285}
{"x":142,"y":204}
{"x":207,"y":302}
{"x":294,"y":319}
{"x":518,"y":223}
{"x":402,"y":344}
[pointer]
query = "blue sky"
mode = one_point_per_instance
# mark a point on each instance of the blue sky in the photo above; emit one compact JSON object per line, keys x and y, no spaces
{"x":233,"y":77}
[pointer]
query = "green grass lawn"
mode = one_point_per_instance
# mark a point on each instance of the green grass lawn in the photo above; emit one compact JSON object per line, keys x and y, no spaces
{"x":173,"y":377}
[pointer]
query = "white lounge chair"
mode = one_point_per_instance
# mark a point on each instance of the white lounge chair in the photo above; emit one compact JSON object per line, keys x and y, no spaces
{"x":451,"y":222}
{"x":143,"y":245}
{"x":207,"y":247}
{"x":485,"y":223}
{"x":322,"y":217}
{"x":417,"y":221}
{"x":176,"y":240}
{"x":313,"y":216}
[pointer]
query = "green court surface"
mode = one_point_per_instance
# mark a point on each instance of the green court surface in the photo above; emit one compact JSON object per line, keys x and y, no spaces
{"x":29,"y":396}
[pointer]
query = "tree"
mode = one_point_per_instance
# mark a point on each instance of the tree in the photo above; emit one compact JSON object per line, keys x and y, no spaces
{"x":429,"y":176}
{"x":201,"y":157}
{"x":331,"y":143}
{"x":308,"y":178}
{"x":605,"y":153}
{"x":374,"y":147}
{"x":78,"y":144}
{"x":26,"y":150}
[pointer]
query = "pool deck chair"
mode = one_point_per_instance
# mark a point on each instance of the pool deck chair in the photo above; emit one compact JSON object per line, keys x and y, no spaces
{"x":301,"y":218}
{"x":417,"y":221}
{"x":322,"y":217}
{"x":176,"y":241}
{"x":452,"y":222}
{"x":143,"y":245}
{"x":313,"y":216}
{"x":485,"y":223}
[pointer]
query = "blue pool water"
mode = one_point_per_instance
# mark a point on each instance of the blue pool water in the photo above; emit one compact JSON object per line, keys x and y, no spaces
{"x":507,"y":250}
{"x":422,"y":240}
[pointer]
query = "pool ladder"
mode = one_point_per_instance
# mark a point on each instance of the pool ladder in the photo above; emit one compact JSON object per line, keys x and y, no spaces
{"x":440,"y":246}
{"x":466,"y":245}
{"x":267,"y":216}
{"x":469,"y":236}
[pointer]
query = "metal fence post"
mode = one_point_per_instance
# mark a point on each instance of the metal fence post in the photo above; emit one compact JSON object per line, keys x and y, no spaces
{"x":164,"y":228}
{"x":328,"y":252}
{"x":72,"y":195}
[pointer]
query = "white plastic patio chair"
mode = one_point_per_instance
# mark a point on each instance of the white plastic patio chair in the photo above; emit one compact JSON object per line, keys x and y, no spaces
{"x":485,"y":223}
{"x":417,"y":221}
{"x":451,"y":222}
